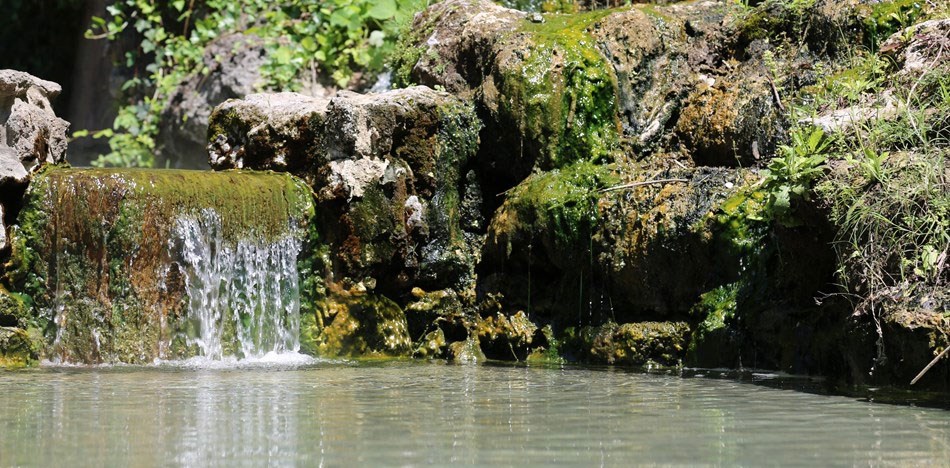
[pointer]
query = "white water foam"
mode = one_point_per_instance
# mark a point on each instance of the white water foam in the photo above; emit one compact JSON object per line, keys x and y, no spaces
{"x":245,"y":291}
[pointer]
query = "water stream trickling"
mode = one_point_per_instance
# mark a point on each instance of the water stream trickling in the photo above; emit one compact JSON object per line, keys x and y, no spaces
{"x":243,"y":296}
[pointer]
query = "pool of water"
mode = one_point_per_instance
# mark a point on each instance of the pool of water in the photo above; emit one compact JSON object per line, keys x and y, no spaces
{"x":316,"y":413}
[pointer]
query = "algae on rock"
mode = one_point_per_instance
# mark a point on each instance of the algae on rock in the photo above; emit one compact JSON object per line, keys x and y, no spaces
{"x":100,"y":255}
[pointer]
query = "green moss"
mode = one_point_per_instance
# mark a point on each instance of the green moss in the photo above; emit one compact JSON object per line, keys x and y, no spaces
{"x":542,"y":6}
{"x":93,"y":244}
{"x":710,"y":344}
{"x":561,"y":205}
{"x":17,"y":349}
{"x":373,"y":219}
{"x":563,"y":97}
{"x":638,"y":344}
{"x":15,"y":309}
{"x":363,"y":325}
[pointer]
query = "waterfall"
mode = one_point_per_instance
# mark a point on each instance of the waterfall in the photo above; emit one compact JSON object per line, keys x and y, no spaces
{"x":242,"y":296}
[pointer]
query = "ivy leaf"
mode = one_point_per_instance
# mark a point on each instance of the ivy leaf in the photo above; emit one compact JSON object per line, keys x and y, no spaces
{"x":308,"y":44}
{"x":383,"y":9}
{"x":179,"y":5}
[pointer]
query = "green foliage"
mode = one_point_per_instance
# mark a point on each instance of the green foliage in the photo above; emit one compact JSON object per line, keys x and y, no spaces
{"x":890,"y":16}
{"x":883,"y":177}
{"x":791,"y":175}
{"x":346,"y":40}
{"x":897,"y":229}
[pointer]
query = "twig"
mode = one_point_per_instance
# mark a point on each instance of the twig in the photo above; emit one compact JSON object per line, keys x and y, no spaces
{"x":191,"y":11}
{"x":638,"y":184}
{"x":778,"y":99}
{"x":921,"y":374}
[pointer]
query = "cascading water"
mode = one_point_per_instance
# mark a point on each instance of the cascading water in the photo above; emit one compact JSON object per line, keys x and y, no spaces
{"x":135,"y":266}
{"x":243,"y":296}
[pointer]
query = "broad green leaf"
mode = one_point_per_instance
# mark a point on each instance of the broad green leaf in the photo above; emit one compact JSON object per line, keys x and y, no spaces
{"x":383,"y":9}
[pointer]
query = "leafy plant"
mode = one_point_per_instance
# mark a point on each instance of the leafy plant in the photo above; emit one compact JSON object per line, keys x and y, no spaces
{"x":792,"y":173}
{"x":346,"y":40}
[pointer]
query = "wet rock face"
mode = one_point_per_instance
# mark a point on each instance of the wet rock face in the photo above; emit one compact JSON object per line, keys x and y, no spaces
{"x":574,"y":254}
{"x":387,"y":170}
{"x":362,"y":325}
{"x":112,"y":265}
{"x":732,"y":120}
{"x":637,"y":344}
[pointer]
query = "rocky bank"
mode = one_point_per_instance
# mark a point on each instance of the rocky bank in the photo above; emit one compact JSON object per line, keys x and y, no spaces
{"x":592,"y":187}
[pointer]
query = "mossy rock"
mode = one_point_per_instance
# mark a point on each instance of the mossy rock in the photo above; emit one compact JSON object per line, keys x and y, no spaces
{"x":441,"y":312}
{"x":735,"y":121}
{"x":16,"y":310}
{"x":388,"y":170}
{"x":97,"y":254}
{"x":17,"y":349}
{"x":635,"y":344}
{"x":508,"y":337}
{"x":362,"y":325}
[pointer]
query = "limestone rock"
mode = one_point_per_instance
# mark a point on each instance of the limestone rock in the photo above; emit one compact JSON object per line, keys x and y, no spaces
{"x":30,"y":128}
{"x":570,"y":88}
{"x":567,"y":251}
{"x":921,"y":47}
{"x":234,"y":64}
{"x":364,"y":325}
{"x":504,"y":337}
{"x":386,"y":169}
{"x":12,"y":172}
{"x":733,"y":121}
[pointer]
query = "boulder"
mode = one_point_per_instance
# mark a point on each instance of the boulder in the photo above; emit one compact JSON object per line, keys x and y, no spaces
{"x":397,"y":206}
{"x":362,"y":325}
{"x":387,"y":170}
{"x":567,"y":248}
{"x":30,"y":128}
{"x":16,"y":348}
{"x":637,"y":344}
{"x":233,"y":65}
{"x":30,"y":135}
{"x":13,"y":174}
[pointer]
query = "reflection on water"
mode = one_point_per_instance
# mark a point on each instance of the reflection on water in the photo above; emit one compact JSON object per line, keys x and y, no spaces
{"x":323,"y":413}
